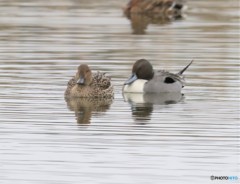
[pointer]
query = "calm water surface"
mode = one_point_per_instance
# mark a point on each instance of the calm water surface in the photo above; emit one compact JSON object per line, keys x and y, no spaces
{"x":172,"y":138}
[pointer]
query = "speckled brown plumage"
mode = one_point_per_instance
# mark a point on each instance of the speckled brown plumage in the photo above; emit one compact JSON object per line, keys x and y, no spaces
{"x":99,"y":87}
{"x":154,"y":8}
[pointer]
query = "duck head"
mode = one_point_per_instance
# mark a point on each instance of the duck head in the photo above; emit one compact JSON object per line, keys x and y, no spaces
{"x":84,"y":75}
{"x":142,"y":69}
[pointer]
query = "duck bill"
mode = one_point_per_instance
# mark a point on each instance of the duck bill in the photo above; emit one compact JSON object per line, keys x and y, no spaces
{"x":131,"y":79}
{"x":81,"y":81}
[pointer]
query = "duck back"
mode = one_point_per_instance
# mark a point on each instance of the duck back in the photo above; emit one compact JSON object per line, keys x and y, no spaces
{"x":164,"y":81}
{"x":155,"y":7}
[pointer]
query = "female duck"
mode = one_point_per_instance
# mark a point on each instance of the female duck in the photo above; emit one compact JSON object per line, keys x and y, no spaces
{"x":155,"y":8}
{"x":145,"y":80}
{"x":86,"y":84}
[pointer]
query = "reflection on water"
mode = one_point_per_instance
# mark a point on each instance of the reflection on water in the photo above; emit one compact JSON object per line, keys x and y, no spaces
{"x":153,"y":98}
{"x":137,"y":139}
{"x":142,"y":105}
{"x":85,"y":107}
{"x":140,"y":22}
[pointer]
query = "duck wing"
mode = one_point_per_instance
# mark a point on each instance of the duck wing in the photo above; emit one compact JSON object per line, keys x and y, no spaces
{"x":102,"y":86}
{"x":102,"y":81}
{"x":168,"y":9}
{"x":168,"y":78}
{"x":154,"y":6}
{"x":70,"y":85}
{"x":164,"y":81}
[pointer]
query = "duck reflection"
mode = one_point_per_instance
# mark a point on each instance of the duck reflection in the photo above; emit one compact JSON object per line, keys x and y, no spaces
{"x":85,"y":107}
{"x":140,"y":22}
{"x":142,"y":105}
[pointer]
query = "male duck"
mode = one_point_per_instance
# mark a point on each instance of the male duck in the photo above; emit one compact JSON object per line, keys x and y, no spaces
{"x":86,"y":84}
{"x":145,"y":80}
{"x":155,"y":8}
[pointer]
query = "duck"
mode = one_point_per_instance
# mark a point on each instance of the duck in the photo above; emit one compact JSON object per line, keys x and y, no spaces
{"x":86,"y":84}
{"x":145,"y":80}
{"x":155,"y":8}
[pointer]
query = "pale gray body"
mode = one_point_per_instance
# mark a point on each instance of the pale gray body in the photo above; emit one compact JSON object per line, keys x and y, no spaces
{"x":158,"y":84}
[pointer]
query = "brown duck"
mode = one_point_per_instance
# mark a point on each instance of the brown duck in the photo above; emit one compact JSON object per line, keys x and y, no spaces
{"x":155,"y":8}
{"x":88,"y":85}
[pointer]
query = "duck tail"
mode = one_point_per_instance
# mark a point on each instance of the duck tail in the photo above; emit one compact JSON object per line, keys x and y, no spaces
{"x":184,"y":69}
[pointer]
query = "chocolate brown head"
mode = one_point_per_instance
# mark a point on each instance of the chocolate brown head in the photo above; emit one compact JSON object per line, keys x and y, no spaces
{"x":84,"y":75}
{"x":143,"y":69}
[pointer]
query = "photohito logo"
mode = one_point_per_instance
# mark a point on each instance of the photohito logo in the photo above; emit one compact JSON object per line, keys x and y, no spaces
{"x":230,"y":178}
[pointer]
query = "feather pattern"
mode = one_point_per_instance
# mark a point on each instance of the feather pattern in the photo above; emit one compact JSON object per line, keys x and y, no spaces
{"x":155,"y":8}
{"x":99,"y":87}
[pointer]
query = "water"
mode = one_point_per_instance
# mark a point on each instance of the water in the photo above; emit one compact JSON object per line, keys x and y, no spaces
{"x":131,"y":139}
